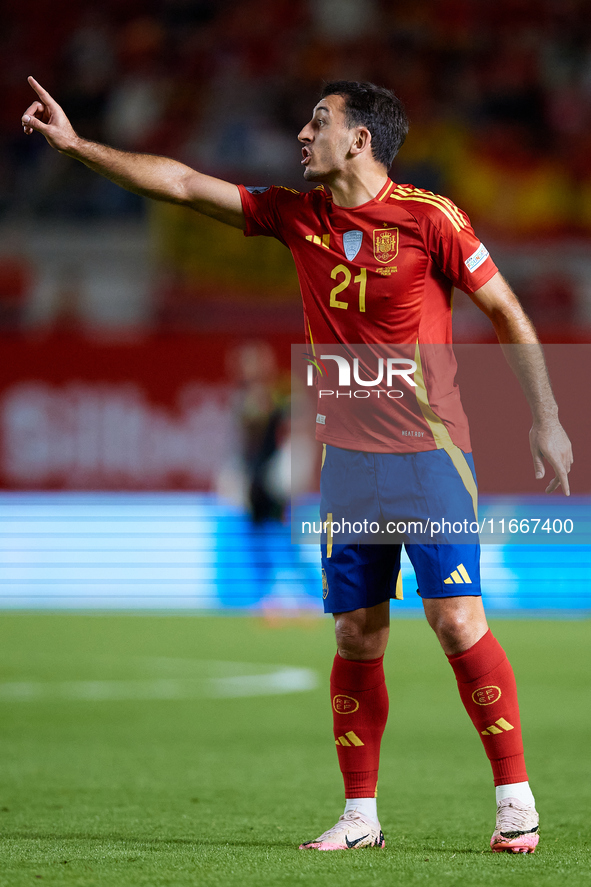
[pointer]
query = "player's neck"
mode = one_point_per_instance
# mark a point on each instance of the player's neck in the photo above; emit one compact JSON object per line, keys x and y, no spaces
{"x":358,"y":188}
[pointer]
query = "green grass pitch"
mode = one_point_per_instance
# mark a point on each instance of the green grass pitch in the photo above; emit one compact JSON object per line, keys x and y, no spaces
{"x":120,"y":765}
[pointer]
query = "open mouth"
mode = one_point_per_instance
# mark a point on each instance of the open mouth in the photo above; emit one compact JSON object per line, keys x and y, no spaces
{"x":306,"y":156}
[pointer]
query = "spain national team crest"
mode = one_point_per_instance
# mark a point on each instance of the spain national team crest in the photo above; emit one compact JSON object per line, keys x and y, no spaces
{"x":385,"y":244}
{"x":344,"y":705}
{"x":486,"y":695}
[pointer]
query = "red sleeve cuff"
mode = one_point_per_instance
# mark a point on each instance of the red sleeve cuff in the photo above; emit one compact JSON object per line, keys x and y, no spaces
{"x":486,"y":273}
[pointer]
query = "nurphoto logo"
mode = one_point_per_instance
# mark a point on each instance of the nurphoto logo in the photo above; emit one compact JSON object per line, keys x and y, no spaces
{"x":389,"y":370}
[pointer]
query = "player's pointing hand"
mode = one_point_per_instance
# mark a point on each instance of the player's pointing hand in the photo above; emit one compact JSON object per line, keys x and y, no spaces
{"x":551,"y":442}
{"x":48,"y":118}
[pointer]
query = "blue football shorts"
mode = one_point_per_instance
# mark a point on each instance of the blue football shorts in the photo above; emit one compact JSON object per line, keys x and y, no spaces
{"x":369,"y":499}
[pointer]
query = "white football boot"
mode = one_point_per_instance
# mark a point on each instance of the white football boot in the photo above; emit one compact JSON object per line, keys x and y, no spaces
{"x":516,"y":830}
{"x":352,"y":832}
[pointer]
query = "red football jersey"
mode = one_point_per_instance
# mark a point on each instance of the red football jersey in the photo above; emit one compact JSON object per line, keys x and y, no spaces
{"x":380,"y":274}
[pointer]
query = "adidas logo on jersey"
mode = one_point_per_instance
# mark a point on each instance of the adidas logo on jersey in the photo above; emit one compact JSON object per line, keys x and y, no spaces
{"x":499,"y":726}
{"x":320,"y":241}
{"x":458,"y":577}
{"x":349,"y":738}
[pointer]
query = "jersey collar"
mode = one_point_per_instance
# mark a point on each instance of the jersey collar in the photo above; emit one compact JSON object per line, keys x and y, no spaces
{"x":380,"y":197}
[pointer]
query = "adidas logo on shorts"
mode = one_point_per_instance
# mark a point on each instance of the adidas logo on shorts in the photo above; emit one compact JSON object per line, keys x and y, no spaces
{"x":458,"y":577}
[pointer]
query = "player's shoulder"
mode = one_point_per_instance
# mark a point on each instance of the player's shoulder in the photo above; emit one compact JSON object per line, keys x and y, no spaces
{"x":315,"y":197}
{"x":271,"y":190}
{"x":281,"y":195}
{"x":282,"y":191}
{"x":426,"y":206}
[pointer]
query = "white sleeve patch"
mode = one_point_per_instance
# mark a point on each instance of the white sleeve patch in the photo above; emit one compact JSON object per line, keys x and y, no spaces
{"x":476,"y":259}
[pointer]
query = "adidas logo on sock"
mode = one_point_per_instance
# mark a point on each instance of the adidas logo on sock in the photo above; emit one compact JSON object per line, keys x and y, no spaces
{"x":458,"y":577}
{"x":349,"y":738}
{"x":499,"y":726}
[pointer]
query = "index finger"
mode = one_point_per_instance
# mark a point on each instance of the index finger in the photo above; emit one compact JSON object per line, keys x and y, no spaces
{"x":561,"y":478}
{"x":42,"y":93}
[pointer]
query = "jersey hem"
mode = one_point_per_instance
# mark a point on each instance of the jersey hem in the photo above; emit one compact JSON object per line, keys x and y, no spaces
{"x":371,"y":447}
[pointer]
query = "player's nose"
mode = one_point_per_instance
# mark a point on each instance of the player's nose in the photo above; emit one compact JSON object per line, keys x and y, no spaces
{"x":305,"y":134}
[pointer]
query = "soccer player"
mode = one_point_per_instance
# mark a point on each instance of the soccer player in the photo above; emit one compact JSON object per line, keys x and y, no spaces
{"x":377,"y":263}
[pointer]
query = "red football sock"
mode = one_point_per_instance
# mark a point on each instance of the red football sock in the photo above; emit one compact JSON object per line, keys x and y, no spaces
{"x":487,"y":688}
{"x":359,"y":711}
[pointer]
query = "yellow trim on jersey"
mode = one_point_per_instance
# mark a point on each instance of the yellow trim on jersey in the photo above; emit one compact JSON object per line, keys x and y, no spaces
{"x":293,"y":190}
{"x":438,"y":198}
{"x":387,"y":191}
{"x":398,"y":595}
{"x":438,"y":428}
{"x":432,"y":202}
{"x":441,"y":435}
{"x":311,"y":339}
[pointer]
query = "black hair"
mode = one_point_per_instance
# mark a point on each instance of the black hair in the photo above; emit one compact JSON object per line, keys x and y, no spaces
{"x":376,"y":108}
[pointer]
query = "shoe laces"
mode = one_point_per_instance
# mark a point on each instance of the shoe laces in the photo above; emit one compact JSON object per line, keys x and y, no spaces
{"x":512,"y":816}
{"x":352,"y":817}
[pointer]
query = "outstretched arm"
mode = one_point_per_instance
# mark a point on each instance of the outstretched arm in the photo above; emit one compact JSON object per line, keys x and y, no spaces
{"x":524,"y":354}
{"x":158,"y":177}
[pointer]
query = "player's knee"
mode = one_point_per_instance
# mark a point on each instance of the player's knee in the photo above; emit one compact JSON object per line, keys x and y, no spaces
{"x":353,"y":642}
{"x":350,"y":640}
{"x":456,"y":631}
{"x":449,"y":626}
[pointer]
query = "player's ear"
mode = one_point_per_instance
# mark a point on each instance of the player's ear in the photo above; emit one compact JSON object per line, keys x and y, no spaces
{"x":361,"y":141}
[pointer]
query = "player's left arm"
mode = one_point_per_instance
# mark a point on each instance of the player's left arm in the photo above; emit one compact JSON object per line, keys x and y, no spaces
{"x":524,"y":354}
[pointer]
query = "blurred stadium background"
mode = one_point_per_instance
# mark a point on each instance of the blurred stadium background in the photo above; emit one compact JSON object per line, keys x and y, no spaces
{"x":145,"y":352}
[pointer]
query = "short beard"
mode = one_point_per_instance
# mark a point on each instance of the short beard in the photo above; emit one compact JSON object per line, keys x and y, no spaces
{"x":311,"y":176}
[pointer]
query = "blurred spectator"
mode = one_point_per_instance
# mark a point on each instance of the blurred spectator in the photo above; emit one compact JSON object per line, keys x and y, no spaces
{"x":341,"y":21}
{"x":137,"y":99}
{"x":87,"y":70}
{"x":262,"y":410}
